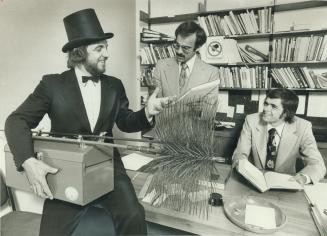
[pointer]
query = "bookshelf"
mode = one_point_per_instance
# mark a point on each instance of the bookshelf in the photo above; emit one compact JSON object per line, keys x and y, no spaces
{"x":268,"y":36}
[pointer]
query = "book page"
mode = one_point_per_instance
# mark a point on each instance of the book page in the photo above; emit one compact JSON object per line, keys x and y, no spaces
{"x":200,"y":90}
{"x":278,"y":180}
{"x":252,"y":174}
{"x":135,"y":161}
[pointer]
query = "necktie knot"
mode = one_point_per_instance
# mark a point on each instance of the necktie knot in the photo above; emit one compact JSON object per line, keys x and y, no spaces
{"x":272,"y":132}
{"x":93,"y":78}
{"x":184,"y":66}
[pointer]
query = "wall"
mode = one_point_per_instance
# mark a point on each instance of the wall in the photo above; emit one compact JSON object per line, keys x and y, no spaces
{"x":32,"y":35}
{"x":283,"y":21}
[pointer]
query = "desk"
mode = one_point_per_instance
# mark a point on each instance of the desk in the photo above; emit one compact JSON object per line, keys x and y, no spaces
{"x":293,"y":204}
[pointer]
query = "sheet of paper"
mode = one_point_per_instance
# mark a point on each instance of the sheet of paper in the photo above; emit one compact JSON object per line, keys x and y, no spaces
{"x":230,"y":111}
{"x":222,"y":102}
{"x":317,"y":108}
{"x":150,"y":196}
{"x":260,"y":216}
{"x":201,"y":90}
{"x":255,"y":96}
{"x":239,"y":108}
{"x":135,"y":161}
{"x":301,"y":107}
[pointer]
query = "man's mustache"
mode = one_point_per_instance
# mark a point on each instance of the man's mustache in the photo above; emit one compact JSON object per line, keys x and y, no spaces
{"x":180,"y":55}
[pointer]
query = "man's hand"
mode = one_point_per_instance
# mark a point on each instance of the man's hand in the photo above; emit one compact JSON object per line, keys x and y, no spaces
{"x":236,"y":160}
{"x":156,"y":105}
{"x":36,"y":172}
{"x":300,"y":178}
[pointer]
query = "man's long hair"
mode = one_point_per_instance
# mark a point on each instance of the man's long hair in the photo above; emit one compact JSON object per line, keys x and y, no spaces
{"x":289,"y":99}
{"x":76,"y":56}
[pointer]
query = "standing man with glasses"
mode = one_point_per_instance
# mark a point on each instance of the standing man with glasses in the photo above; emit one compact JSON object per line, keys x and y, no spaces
{"x":174,"y":76}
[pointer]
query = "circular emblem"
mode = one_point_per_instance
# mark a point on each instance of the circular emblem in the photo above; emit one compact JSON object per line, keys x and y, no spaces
{"x":71,"y":193}
{"x":270,"y":164}
{"x":215,"y":48}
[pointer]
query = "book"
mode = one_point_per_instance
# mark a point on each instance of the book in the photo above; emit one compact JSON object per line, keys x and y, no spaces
{"x":217,"y":180}
{"x":322,"y":81}
{"x":264,"y":181}
{"x":256,"y":52}
{"x":200,"y":90}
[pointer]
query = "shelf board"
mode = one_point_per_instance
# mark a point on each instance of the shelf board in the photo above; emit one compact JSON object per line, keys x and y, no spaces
{"x":148,"y":65}
{"x":299,"y":5}
{"x":242,"y":64}
{"x":277,"y":34}
{"x":307,"y":89}
{"x":266,"y":89}
{"x":246,"y":89}
{"x":157,"y":42}
{"x":299,"y":32}
{"x":276,"y":8}
{"x":273,"y":64}
{"x":249,"y":36}
{"x":299,"y":63}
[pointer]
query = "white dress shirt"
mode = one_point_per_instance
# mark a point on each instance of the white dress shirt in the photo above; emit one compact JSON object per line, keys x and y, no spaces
{"x":279,"y":130}
{"x":91,"y":93}
{"x":190,"y":65}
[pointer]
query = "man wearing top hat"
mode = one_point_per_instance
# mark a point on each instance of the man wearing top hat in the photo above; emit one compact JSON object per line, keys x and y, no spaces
{"x":81,"y":100}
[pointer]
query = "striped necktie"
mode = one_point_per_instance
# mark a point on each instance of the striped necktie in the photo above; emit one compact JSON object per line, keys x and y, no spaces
{"x":183,"y":75}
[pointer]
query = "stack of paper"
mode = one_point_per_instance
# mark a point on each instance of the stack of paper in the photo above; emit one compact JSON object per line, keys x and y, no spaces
{"x":317,"y":195}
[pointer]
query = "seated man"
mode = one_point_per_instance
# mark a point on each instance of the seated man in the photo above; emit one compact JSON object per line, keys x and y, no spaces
{"x":276,"y":138}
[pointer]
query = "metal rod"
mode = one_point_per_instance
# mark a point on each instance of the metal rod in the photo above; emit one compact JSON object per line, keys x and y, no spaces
{"x":96,"y":143}
{"x":39,"y":133}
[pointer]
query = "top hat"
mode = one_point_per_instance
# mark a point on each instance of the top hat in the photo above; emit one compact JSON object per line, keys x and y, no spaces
{"x":83,"y":28}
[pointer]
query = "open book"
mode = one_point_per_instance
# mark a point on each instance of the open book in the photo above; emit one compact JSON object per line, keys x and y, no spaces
{"x":267,"y":180}
{"x":200,"y":90}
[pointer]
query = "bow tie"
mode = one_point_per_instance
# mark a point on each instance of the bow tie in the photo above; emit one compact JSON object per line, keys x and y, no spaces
{"x":93,"y":78}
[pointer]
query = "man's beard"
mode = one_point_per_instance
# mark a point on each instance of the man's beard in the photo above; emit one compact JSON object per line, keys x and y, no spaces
{"x":93,"y":68}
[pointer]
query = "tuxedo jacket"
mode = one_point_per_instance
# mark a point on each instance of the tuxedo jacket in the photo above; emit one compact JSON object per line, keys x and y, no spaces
{"x":166,"y":76}
{"x":297,"y":141}
{"x":59,"y":96}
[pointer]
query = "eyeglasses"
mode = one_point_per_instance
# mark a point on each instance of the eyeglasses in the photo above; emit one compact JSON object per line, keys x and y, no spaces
{"x":185,"y":49}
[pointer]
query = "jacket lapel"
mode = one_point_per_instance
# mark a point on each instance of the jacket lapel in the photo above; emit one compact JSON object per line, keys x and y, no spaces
{"x":287,"y":141}
{"x":107,"y":102}
{"x":260,"y":141}
{"x":172,"y":77}
{"x":74,"y":99}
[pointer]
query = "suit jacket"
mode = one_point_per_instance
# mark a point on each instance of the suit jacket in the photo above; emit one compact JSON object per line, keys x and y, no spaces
{"x":297,"y":141}
{"x":59,"y":96}
{"x":166,"y":76}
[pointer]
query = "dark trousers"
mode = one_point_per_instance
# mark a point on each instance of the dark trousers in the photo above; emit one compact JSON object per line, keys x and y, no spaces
{"x":61,"y":218}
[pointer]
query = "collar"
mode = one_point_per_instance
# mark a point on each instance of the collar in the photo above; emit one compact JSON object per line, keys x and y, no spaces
{"x":79,"y":73}
{"x":279,"y":128}
{"x":190,"y":63}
